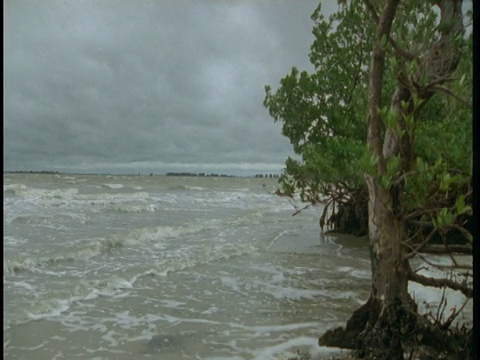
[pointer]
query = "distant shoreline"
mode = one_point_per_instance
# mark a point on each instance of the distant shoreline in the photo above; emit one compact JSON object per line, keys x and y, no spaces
{"x":30,"y":172}
{"x":171,"y":174}
{"x":202,"y":174}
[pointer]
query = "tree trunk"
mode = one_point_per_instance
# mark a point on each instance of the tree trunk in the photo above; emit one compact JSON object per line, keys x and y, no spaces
{"x":389,"y":297}
{"x":390,"y":301}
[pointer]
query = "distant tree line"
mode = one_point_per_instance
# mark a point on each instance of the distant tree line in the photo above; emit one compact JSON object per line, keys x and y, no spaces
{"x":197,"y":174}
{"x":30,"y":172}
{"x":271,"y":176}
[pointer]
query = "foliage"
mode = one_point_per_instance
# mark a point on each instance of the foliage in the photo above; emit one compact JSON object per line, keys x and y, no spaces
{"x":438,"y":188}
{"x":324,"y":113}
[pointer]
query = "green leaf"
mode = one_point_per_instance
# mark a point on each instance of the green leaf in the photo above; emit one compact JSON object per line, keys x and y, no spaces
{"x":393,"y":165}
{"x":445,"y":182}
{"x":444,"y":218}
{"x":391,"y":119}
{"x":383,"y":40}
{"x":466,"y":209}
{"x":385,"y":181}
{"x":460,"y":204}
{"x":420,"y":165}
{"x":417,"y":101}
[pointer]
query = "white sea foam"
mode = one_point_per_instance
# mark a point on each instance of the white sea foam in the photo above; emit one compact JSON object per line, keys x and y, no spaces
{"x":177,"y":320}
{"x":196,"y":188}
{"x":151,"y":207}
{"x":276,"y":238}
{"x":15,"y":190}
{"x":40,"y":195}
{"x":361,"y":274}
{"x":291,"y":293}
{"x":279,"y":350}
{"x":38,"y":263}
{"x":51,"y":309}
{"x":285,"y":328}
{"x":113,"y":198}
{"x":187,"y":187}
{"x":134,"y":208}
{"x":56,"y":308}
{"x":114,"y":186}
{"x":233,"y":284}
{"x":13,"y":241}
{"x":172,"y":303}
{"x":126,"y":320}
{"x":110,"y":337}
{"x":12,"y":266}
{"x":211,"y":310}
{"x":25,"y":285}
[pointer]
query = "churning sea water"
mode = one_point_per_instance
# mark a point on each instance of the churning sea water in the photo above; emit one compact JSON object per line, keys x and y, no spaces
{"x":155,"y":267}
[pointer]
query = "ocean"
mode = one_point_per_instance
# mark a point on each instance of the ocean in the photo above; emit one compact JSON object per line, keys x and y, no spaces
{"x":160,"y":267}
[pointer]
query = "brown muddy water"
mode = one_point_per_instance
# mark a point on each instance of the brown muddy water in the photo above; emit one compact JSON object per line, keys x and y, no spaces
{"x":154,"y":267}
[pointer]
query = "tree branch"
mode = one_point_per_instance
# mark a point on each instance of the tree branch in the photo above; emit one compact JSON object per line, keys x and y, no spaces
{"x":443,"y":267}
{"x":441,"y":283}
{"x":415,"y":250}
{"x":451,"y":249}
{"x":398,"y":50}
{"x":421,"y":224}
{"x":377,"y":67}
{"x":447,"y":91}
{"x":453,"y":316}
{"x":298,"y":210}
{"x":373,"y":11}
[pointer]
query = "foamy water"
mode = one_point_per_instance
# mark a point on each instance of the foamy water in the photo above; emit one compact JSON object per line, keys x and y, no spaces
{"x":132,"y":267}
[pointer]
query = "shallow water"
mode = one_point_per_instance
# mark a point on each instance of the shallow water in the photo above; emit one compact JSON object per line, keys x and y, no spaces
{"x":123,"y":267}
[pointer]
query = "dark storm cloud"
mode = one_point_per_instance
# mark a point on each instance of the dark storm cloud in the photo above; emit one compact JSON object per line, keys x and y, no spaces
{"x":147,"y":85}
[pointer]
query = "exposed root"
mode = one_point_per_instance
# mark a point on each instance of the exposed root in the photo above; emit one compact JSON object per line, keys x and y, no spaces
{"x":397,"y":331}
{"x":352,"y":215}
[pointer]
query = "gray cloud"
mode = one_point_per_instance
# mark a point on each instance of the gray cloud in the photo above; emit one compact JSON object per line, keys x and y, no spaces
{"x":148,"y":85}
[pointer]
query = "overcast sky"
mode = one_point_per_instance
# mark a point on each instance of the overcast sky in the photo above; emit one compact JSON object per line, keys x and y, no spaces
{"x":146,"y":86}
